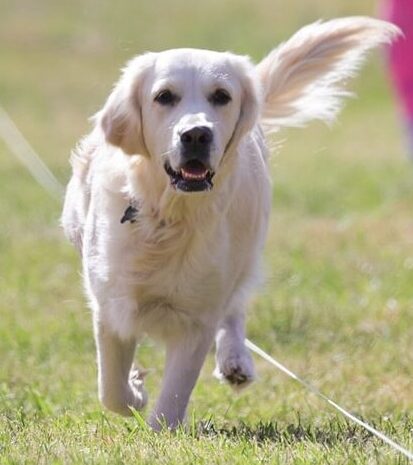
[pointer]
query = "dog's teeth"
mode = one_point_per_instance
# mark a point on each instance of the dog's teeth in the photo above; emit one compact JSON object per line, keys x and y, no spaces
{"x":193,"y":176}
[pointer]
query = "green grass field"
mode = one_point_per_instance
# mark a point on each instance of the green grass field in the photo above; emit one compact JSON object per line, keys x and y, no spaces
{"x":337,"y":306}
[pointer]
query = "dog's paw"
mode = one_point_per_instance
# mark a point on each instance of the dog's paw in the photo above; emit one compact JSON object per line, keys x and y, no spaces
{"x":237,"y":369}
{"x":137,"y":396}
{"x":131,"y":396}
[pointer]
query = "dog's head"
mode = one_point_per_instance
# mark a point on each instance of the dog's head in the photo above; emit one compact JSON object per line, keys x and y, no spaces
{"x":185,"y":109}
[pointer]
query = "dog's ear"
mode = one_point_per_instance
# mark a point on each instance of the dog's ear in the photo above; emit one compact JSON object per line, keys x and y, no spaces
{"x":303,"y":78}
{"x":250,"y":100}
{"x":120,"y":117}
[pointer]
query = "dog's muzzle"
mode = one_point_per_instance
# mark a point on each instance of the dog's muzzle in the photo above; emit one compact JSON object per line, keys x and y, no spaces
{"x":194,"y":173}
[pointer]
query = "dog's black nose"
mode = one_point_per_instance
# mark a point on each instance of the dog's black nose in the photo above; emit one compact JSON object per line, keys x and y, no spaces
{"x":199,"y":137}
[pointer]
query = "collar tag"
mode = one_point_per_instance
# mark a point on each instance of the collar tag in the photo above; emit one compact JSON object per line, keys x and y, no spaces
{"x":130,"y":214}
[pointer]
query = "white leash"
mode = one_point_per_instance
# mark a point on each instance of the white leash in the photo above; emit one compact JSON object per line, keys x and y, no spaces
{"x":25,"y":153}
{"x":315,"y":391}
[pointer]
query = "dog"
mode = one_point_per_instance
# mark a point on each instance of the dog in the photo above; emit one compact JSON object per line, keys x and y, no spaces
{"x":170,"y":197}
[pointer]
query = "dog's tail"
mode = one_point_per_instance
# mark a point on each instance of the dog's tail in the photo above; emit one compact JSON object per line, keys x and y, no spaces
{"x":303,"y":79}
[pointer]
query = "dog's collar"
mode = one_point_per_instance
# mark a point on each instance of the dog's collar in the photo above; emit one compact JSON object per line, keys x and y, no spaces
{"x":131,"y":213}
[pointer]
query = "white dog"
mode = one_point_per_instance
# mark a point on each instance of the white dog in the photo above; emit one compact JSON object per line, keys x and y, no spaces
{"x":170,"y":198}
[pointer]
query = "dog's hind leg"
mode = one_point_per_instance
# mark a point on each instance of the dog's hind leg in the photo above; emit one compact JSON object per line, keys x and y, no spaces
{"x":120,"y":386}
{"x":233,"y":361}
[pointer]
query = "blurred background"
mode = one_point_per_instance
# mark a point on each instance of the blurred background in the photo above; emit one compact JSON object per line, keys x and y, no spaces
{"x":337,"y":304}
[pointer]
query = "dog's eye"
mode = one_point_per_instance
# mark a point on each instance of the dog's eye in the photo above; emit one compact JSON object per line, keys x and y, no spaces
{"x":166,"y":97}
{"x":220,"y":97}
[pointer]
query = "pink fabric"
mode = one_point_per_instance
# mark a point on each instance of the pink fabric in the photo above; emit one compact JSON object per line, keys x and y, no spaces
{"x":400,"y":12}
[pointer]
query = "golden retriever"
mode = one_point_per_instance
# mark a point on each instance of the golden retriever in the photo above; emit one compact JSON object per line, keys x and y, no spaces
{"x":170,"y":198}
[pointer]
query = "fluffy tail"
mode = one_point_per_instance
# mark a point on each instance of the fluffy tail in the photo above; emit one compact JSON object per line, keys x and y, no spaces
{"x":303,"y":78}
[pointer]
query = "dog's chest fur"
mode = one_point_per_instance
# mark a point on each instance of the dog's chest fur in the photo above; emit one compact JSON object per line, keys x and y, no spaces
{"x":164,"y":276}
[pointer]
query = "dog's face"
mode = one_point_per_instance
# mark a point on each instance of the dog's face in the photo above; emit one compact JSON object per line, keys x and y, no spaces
{"x":188,"y":109}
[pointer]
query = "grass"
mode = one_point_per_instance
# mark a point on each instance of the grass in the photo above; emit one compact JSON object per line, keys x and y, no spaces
{"x":337,"y":305}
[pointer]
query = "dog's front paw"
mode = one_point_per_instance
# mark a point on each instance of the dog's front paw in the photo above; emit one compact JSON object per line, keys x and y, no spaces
{"x":236,"y":368}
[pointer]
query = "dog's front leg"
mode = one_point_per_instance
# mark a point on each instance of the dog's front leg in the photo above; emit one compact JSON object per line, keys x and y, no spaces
{"x":120,"y":387}
{"x":184,"y":360}
{"x":233,"y":361}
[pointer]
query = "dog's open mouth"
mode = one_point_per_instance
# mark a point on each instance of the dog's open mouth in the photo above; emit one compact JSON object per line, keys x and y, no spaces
{"x":194,"y":176}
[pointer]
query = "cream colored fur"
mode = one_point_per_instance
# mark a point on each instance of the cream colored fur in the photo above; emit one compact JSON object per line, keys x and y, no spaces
{"x":183,"y":272}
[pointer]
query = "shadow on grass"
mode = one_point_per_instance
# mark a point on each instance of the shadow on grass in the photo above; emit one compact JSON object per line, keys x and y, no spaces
{"x":329,"y":434}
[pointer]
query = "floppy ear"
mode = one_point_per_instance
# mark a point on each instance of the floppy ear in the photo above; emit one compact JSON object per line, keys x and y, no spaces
{"x":250,"y":98}
{"x":302,"y":79}
{"x":120,"y":118}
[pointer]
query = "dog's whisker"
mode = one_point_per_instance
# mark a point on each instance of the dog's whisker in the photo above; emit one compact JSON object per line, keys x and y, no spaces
{"x":167,"y":152}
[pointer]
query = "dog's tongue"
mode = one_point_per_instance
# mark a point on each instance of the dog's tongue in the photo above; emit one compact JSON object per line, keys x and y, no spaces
{"x":194,"y":170}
